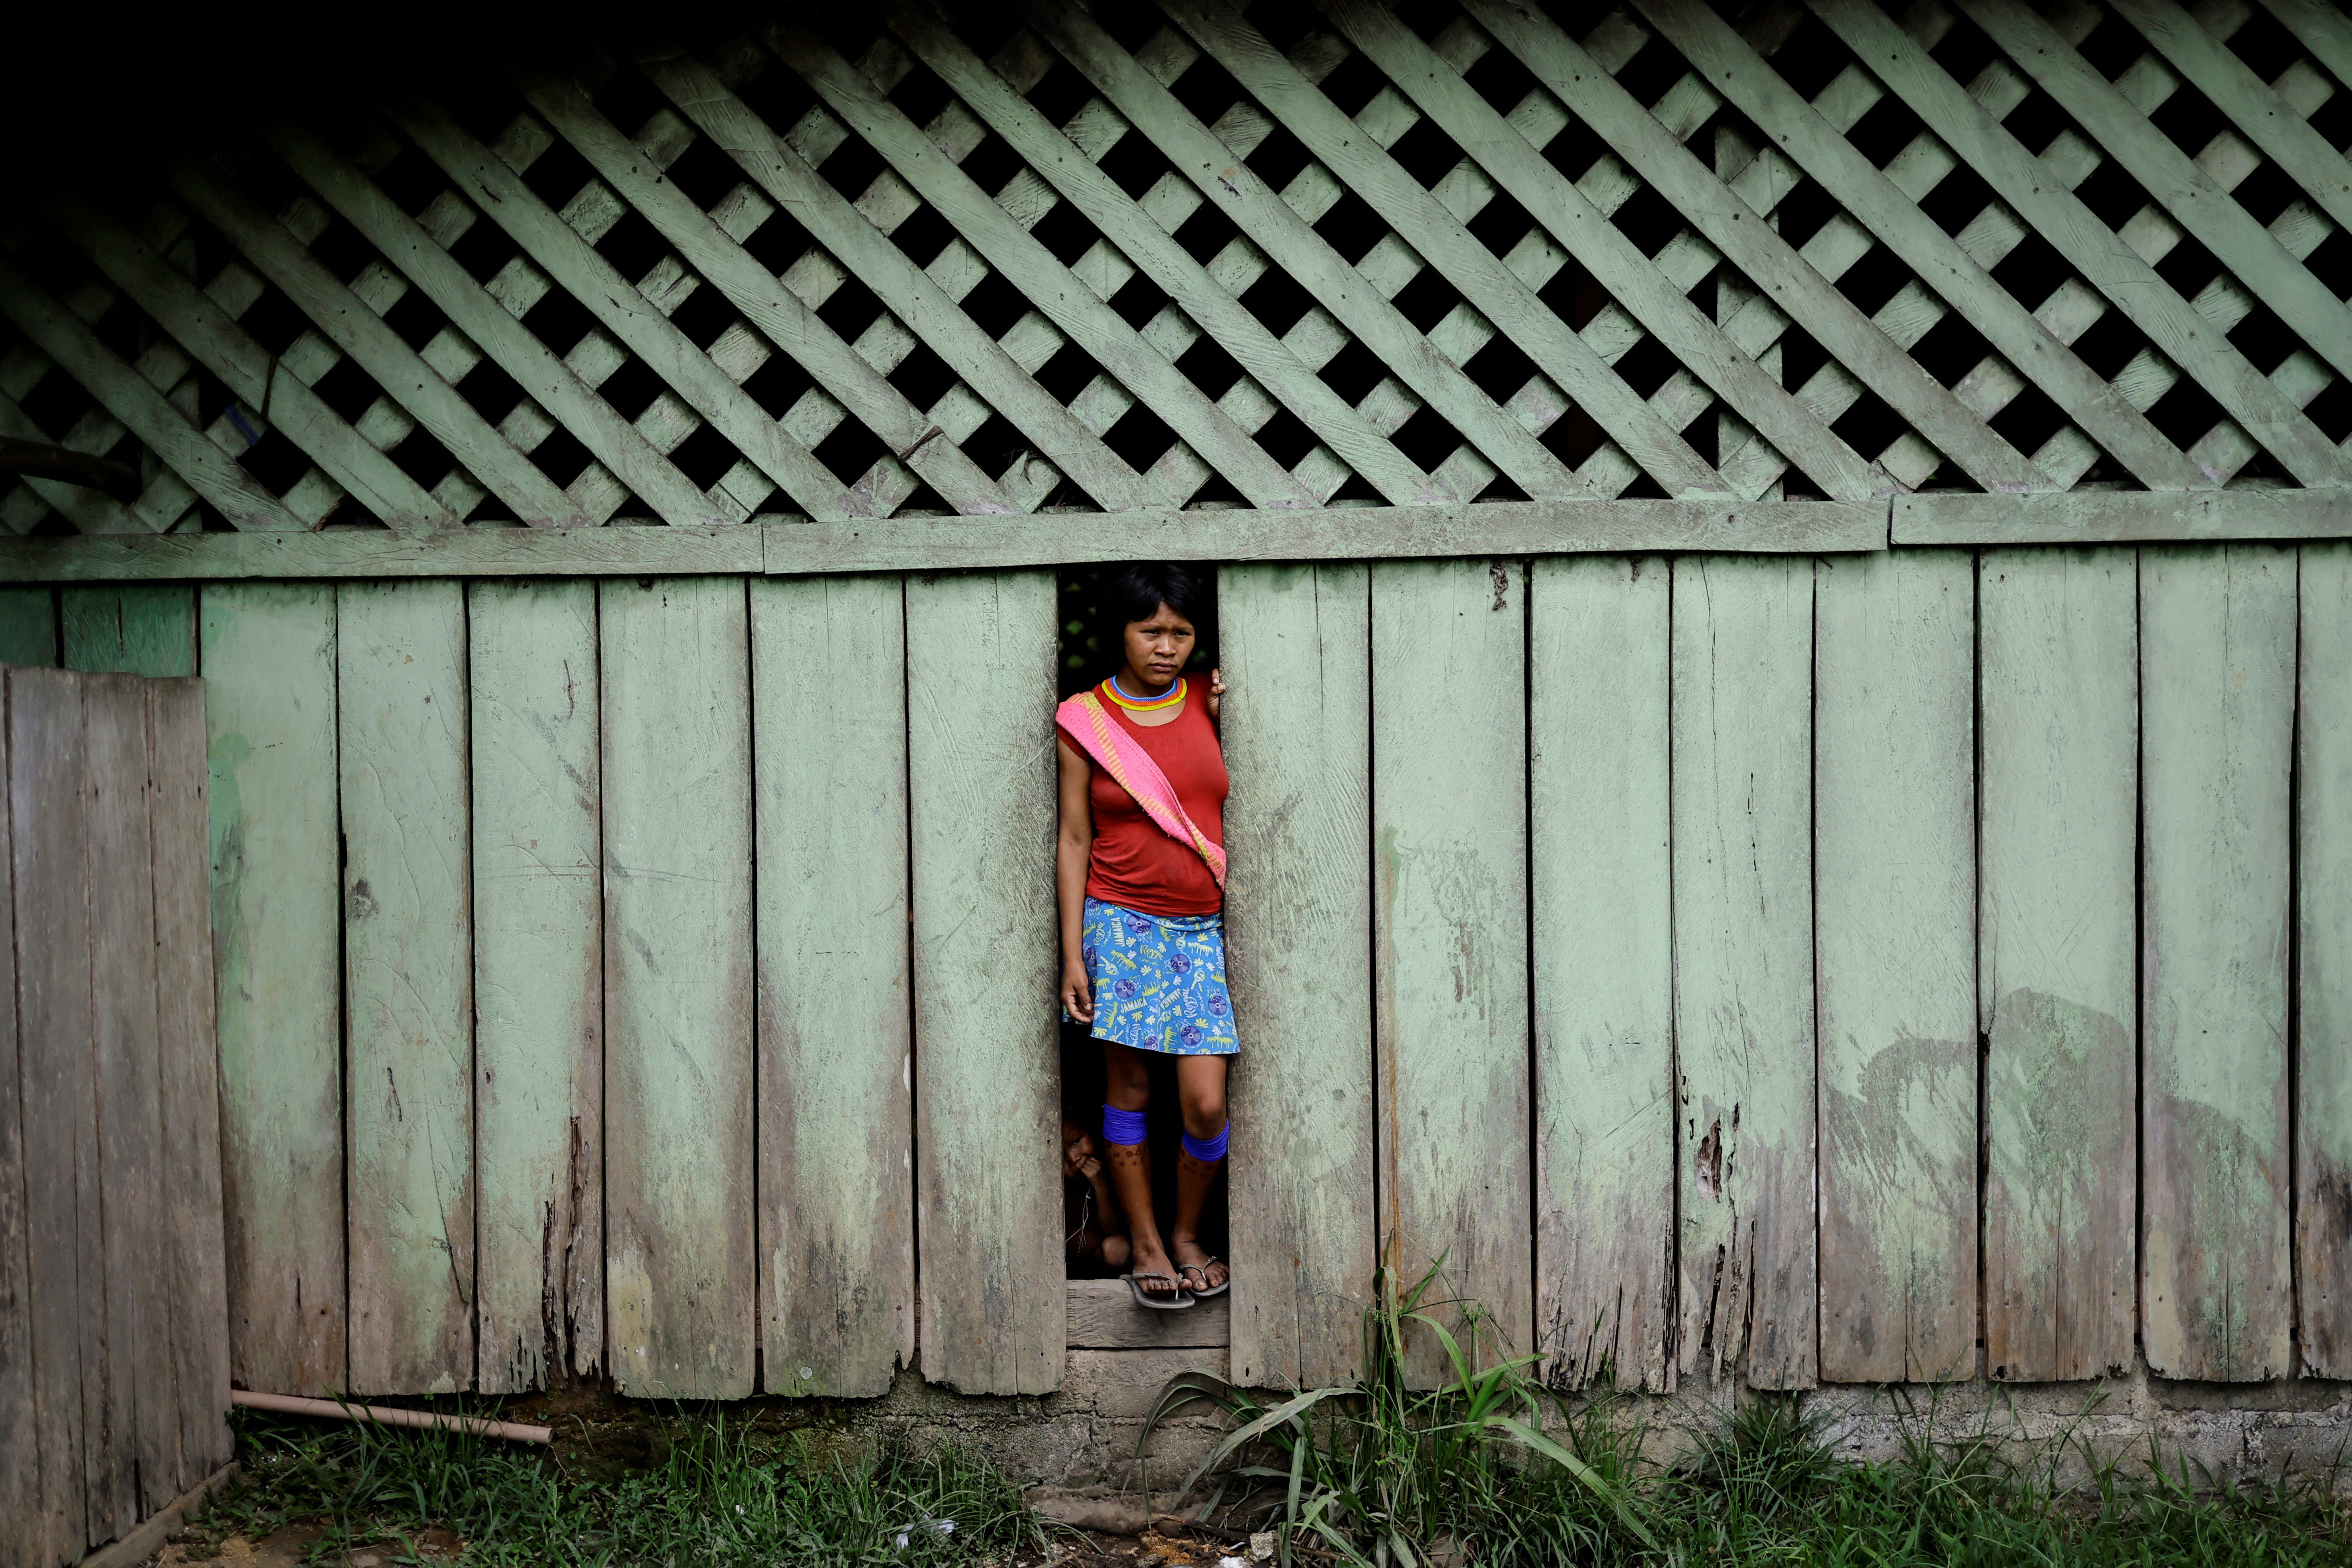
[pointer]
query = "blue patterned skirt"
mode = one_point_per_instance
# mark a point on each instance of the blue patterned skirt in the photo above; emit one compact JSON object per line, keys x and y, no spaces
{"x":1159,"y":981}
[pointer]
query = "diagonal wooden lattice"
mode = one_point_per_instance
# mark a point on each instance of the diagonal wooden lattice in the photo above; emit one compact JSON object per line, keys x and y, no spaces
{"x":1286,"y":259}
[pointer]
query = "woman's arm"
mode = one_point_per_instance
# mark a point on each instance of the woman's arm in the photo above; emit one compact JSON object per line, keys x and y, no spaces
{"x":1073,"y":846}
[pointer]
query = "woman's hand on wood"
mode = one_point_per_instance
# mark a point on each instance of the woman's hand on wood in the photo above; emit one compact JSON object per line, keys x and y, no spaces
{"x":1216,"y":692}
{"x":1077,"y":996}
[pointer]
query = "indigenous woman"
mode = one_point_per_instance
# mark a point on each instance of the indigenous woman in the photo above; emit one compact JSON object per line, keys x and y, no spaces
{"x":1141,"y":872}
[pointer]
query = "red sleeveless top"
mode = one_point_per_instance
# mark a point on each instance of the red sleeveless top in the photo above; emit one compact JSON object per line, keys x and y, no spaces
{"x":1134,"y":864}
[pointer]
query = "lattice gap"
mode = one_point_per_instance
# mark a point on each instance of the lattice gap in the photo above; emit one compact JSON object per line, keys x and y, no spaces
{"x":1202,"y":259}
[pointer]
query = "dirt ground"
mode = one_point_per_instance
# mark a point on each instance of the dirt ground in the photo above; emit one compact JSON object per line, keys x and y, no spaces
{"x":1180,"y":1547}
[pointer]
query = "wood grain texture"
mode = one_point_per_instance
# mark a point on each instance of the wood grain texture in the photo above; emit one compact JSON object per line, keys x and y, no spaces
{"x":980,"y":669}
{"x":1742,"y":737}
{"x":2105,"y":517}
{"x":268,"y":656}
{"x":2217,"y":714}
{"x":478,"y":550}
{"x":23,"y":1521}
{"x":29,"y":627}
{"x":678,"y":1083}
{"x":408,"y":984}
{"x":1297,"y":729}
{"x":49,"y":830}
{"x":2324,"y":931}
{"x":138,"y":628}
{"x":143,"y":1416}
{"x":1449,"y":937}
{"x":836,"y":1222}
{"x":1894,"y":955}
{"x":192,"y":1221}
{"x":538,"y":979}
{"x":1103,"y":1315}
{"x":1601,"y":890}
{"x":2059,"y":650}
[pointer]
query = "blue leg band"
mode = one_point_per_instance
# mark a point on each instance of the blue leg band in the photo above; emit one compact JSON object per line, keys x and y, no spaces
{"x":1208,"y":1151}
{"x":1122,"y":1126}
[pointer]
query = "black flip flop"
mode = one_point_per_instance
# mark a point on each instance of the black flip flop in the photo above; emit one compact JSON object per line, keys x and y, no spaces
{"x":1207,"y":1289}
{"x":1176,"y":1302}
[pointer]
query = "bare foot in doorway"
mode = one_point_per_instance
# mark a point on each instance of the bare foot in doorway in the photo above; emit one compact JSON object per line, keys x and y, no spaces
{"x":1201,"y":1271}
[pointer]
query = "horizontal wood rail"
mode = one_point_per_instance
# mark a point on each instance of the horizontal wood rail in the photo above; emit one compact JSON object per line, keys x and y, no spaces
{"x":797,"y":548}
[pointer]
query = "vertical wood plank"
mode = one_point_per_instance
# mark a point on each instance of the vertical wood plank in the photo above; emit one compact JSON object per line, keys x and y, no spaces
{"x":138,"y":628}
{"x":29,"y":627}
{"x":49,"y":830}
{"x":2216,"y":705}
{"x":143,"y":1418}
{"x":2058,"y":634}
{"x":1742,"y":737}
{"x":836,"y":1219}
{"x":268,"y":656}
{"x":2323,"y":925}
{"x":1295,"y":645}
{"x":23,"y":1522}
{"x":407,"y":982}
{"x":1895,"y":951}
{"x":191,"y":1245}
{"x":1450,"y":857}
{"x":1603,"y":923}
{"x":539,"y":978}
{"x":678,"y":974}
{"x":980,"y":678}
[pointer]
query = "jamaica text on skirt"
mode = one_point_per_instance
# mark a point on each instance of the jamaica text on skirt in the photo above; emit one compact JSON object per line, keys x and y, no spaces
{"x":1159,"y":981}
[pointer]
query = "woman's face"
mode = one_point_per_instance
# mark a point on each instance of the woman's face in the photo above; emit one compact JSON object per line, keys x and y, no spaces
{"x":1158,"y":649}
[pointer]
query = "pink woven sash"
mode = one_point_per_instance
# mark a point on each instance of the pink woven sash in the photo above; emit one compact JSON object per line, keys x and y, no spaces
{"x":1125,"y":760}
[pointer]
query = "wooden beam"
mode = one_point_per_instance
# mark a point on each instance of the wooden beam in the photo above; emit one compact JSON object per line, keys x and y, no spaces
{"x":2106,"y":517}
{"x":476,"y":551}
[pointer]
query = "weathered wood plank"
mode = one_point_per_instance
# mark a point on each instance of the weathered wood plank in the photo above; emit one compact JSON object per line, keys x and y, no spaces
{"x":1866,"y":192}
{"x":400,"y":650}
{"x":2217,"y":715}
{"x":1894,"y":953}
{"x":268,"y":657}
{"x":139,"y":630}
{"x":2108,"y":517}
{"x":1742,"y":738}
{"x":23,"y":1523}
{"x":49,"y":810}
{"x":1600,"y":888}
{"x":193,"y":1267}
{"x":980,"y":666}
{"x":1103,"y":1315}
{"x":28,"y":628}
{"x":1296,"y":728}
{"x":538,"y":1031}
{"x":1450,"y":936}
{"x":2085,"y":243}
{"x":678,"y":974}
{"x":143,"y":1415}
{"x":477,"y":549}
{"x":836,"y":1219}
{"x":2323,"y":931}
{"x":2058,"y":636}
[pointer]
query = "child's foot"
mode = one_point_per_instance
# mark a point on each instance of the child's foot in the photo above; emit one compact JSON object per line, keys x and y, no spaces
{"x":1154,"y":1274}
{"x":1198,"y":1270}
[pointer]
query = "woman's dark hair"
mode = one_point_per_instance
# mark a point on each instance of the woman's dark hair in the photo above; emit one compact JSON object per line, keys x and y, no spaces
{"x":1135,"y":592}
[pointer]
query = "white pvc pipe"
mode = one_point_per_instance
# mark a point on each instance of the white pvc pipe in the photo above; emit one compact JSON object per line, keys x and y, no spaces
{"x":384,"y":1415}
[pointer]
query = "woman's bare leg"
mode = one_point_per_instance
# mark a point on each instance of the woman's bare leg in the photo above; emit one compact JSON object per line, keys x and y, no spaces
{"x":1201,"y":1090}
{"x":1126,"y":1073}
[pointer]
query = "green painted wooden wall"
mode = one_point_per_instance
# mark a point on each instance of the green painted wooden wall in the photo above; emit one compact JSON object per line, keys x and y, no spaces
{"x":659,"y":972}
